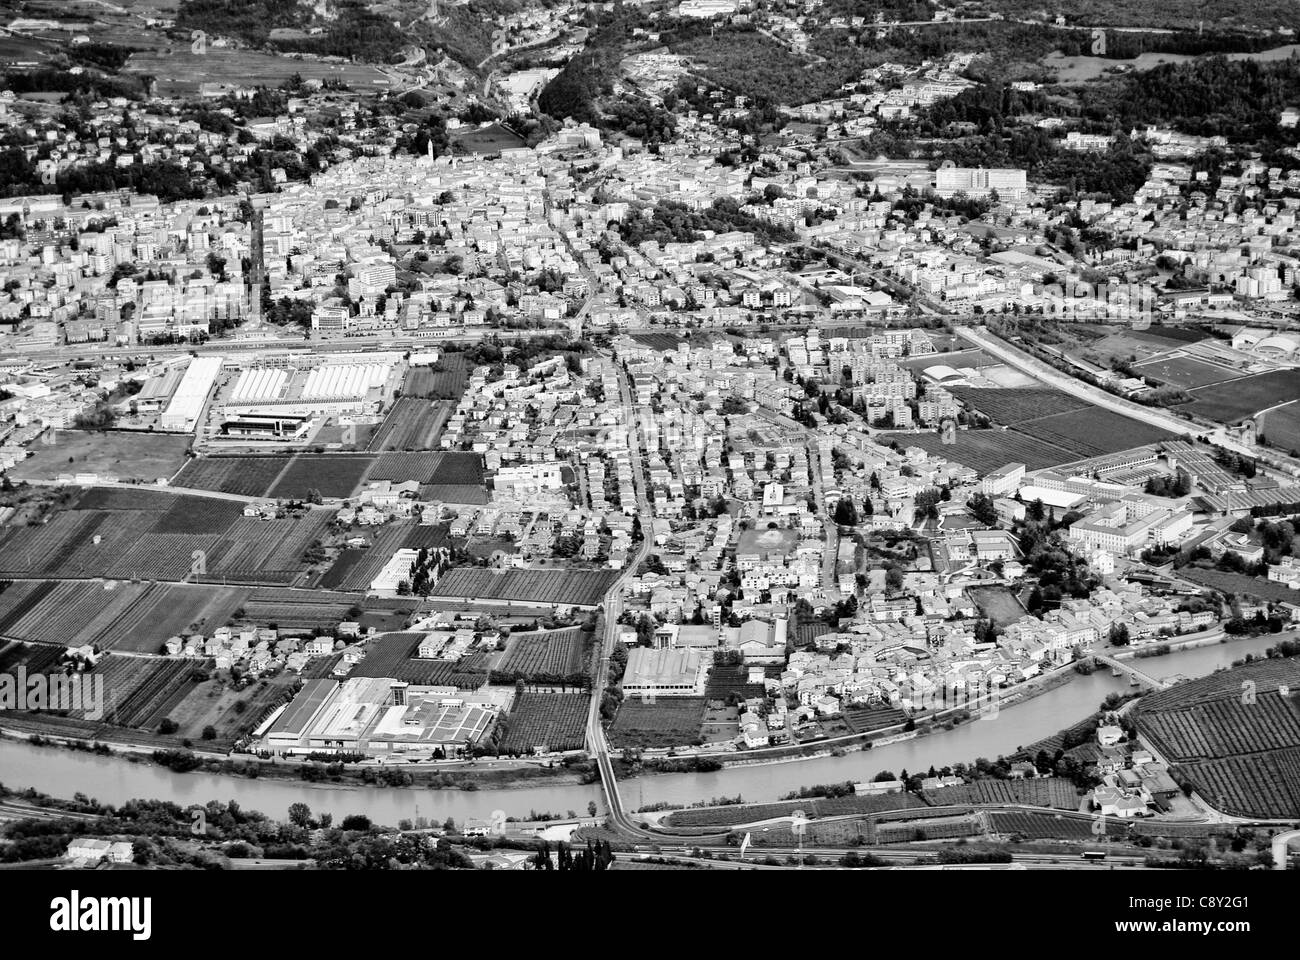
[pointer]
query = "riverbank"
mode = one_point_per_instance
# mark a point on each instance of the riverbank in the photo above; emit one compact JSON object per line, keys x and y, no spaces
{"x":456,"y":775}
{"x":939,"y":722}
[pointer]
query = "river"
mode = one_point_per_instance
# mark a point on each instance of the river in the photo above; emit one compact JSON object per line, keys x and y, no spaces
{"x":114,"y":780}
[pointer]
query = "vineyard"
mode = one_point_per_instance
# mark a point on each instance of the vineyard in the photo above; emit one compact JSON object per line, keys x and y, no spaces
{"x":411,"y":424}
{"x":34,"y":657}
{"x":667,"y":722}
{"x":1046,"y":826}
{"x":1234,"y":736}
{"x":429,"y":467}
{"x":731,"y":680}
{"x":447,"y":383}
{"x":243,"y":476}
{"x":730,"y":816}
{"x":141,"y":692}
{"x":579,"y":587}
{"x":112,"y":615}
{"x":299,"y":609}
{"x":1054,"y":792}
{"x":552,"y":657}
{"x":1092,"y":432}
{"x":152,"y":535}
{"x":865,"y":719}
{"x":335,"y":476}
{"x":1013,"y":405}
{"x":946,"y":828}
{"x":555,"y":721}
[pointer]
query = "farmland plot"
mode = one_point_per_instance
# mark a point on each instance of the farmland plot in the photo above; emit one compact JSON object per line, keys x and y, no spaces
{"x":336,"y":476}
{"x":550,"y":657}
{"x":582,"y":587}
{"x":667,"y":722}
{"x":555,"y":721}
{"x":412,"y":424}
{"x":243,"y":476}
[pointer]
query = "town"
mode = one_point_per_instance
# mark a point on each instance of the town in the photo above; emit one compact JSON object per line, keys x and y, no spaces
{"x":571,"y":403}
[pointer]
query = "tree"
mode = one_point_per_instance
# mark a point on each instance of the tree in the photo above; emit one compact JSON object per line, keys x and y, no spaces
{"x":846,"y":514}
{"x":300,"y":814}
{"x":894,"y":578}
{"x":980,"y":506}
{"x":1118,"y":635}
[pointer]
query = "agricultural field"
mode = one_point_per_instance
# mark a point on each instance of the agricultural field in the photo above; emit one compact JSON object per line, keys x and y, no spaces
{"x":445,"y":383}
{"x":1055,"y":792}
{"x":126,"y":455}
{"x":731,"y":815}
{"x":1265,"y":786}
{"x":232,"y":713}
{"x":34,"y":657}
{"x":332,"y":475}
{"x":488,"y":140}
{"x":300,"y":609}
{"x":985,"y":450}
{"x":429,"y":467}
{"x":1092,"y":432}
{"x":731,"y":680}
{"x":1280,"y":427}
{"x":112,"y":615}
{"x":1047,"y":826}
{"x":548,"y":657}
{"x":1239,"y":584}
{"x":1012,"y":406}
{"x":146,"y":534}
{"x":576,"y":587}
{"x":1185,"y":372}
{"x":180,"y":71}
{"x":1241,"y":755}
{"x":866,"y":719}
{"x":1238,"y":399}
{"x":140,"y":691}
{"x":243,"y":476}
{"x":554,"y":721}
{"x":944,"y":828}
{"x":667,"y":722}
{"x":355,"y":568}
{"x":412,"y":424}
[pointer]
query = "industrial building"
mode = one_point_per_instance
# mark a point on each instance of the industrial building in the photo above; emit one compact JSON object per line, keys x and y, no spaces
{"x":379,"y":715}
{"x":186,"y":405}
{"x":665,"y":672}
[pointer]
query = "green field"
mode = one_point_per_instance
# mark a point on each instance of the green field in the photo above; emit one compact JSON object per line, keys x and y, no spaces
{"x":180,"y":71}
{"x":127,"y":455}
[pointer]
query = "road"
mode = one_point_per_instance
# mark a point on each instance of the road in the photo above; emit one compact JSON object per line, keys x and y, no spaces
{"x":613,"y":608}
{"x":1036,"y":368}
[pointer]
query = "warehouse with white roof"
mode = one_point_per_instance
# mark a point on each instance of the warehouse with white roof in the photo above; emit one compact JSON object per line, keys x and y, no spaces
{"x":186,"y":406}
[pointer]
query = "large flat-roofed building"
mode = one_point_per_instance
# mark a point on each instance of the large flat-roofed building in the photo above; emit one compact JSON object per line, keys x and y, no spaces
{"x":1009,"y":183}
{"x":379,"y":715}
{"x":667,"y":672}
{"x":186,"y":405}
{"x":1003,"y":481}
